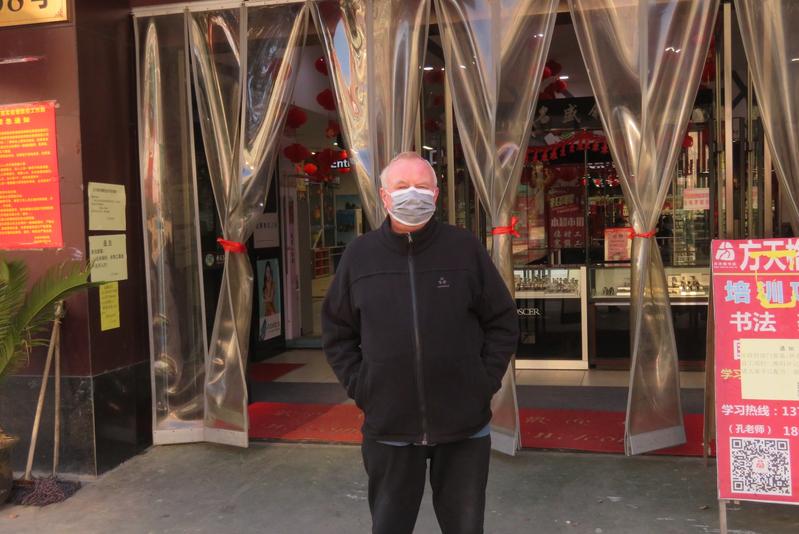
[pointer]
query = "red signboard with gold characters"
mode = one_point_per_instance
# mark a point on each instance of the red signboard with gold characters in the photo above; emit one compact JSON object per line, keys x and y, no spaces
{"x":756,"y":315}
{"x":30,"y":204}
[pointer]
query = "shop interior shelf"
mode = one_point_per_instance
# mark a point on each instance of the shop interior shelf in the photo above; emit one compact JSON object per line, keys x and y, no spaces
{"x":521,"y":294}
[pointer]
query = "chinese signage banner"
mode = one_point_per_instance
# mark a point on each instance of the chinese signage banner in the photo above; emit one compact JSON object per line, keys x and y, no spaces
{"x":755,"y":295}
{"x":19,"y":12}
{"x":696,"y":199}
{"x":30,"y":201}
{"x":566,"y":217}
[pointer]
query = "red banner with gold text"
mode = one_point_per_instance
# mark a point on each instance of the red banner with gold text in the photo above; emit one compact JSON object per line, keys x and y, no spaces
{"x":30,"y":202}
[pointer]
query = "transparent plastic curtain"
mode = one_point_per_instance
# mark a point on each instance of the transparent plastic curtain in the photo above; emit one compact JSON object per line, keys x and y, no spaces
{"x":243,"y":82}
{"x":769,"y":32}
{"x":644,"y":60}
{"x":374,"y":51}
{"x":494,"y":54}
{"x":176,"y":317}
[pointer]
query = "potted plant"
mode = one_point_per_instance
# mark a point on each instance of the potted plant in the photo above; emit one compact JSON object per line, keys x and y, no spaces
{"x":25,"y":316}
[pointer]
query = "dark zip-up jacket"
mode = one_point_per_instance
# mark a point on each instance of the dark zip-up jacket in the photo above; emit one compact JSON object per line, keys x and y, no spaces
{"x":419,"y":328}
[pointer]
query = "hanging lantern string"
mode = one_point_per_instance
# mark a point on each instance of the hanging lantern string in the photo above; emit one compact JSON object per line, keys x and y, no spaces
{"x":510,"y":229}
{"x":582,"y":140}
{"x":232,"y":246}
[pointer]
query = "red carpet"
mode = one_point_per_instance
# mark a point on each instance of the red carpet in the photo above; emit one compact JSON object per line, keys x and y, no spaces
{"x":268,"y":372}
{"x":541,"y":429}
{"x":338,"y":423}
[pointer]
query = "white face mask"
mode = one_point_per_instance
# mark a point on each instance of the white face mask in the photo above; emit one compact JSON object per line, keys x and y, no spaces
{"x":412,"y":206}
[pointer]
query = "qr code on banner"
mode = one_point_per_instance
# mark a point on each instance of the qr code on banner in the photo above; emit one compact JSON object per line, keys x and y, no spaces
{"x":760,"y":466}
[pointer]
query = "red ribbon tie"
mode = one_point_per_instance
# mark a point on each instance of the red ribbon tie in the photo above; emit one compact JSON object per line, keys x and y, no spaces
{"x":645,"y":235}
{"x":510,"y":229}
{"x":232,"y":246}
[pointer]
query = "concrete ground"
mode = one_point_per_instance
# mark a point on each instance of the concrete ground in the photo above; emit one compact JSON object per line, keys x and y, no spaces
{"x":306,"y":489}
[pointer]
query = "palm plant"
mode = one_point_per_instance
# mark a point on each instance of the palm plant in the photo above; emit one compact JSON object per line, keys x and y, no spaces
{"x":26,"y":315}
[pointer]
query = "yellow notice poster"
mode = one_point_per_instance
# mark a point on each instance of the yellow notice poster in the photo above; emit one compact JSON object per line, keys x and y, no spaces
{"x":108,"y":254}
{"x":106,"y":206}
{"x":19,"y":12}
{"x":109,"y":306}
{"x":769,"y":369}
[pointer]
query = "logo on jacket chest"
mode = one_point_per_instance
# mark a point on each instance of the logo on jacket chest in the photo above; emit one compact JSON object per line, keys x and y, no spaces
{"x":442,"y":283}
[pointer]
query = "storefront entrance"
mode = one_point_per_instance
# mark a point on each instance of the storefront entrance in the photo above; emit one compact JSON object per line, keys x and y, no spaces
{"x":571,"y":260}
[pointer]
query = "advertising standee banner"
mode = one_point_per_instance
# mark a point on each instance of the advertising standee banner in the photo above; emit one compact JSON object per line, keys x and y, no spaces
{"x":269,"y":306}
{"x":755,"y":295}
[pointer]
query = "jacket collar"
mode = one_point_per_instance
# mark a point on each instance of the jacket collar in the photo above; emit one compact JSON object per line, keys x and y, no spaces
{"x":399,"y":242}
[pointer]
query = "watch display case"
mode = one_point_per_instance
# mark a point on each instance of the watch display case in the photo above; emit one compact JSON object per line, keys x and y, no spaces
{"x":552,"y":307}
{"x":683,"y":282}
{"x":547,"y":282}
{"x":609,"y":314}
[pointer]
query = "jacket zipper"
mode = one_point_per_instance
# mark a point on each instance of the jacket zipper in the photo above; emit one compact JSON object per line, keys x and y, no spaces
{"x":417,"y":341}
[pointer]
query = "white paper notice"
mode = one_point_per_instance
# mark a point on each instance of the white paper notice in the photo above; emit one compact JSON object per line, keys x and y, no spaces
{"x":770,"y":369}
{"x":106,"y":207}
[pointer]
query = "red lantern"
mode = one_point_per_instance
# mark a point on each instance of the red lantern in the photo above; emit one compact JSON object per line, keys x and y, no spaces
{"x":296,"y":117}
{"x":344,"y":170}
{"x":325,"y":159}
{"x":321,"y":65}
{"x":310,"y":168}
{"x":571,"y":147}
{"x":547,"y":73}
{"x":343,"y":154}
{"x":326,"y":100}
{"x":560,"y":86}
{"x":332,"y":130}
{"x":554,"y":67}
{"x":604,"y":148}
{"x":687,"y":141}
{"x":296,"y":153}
{"x":563,"y":150}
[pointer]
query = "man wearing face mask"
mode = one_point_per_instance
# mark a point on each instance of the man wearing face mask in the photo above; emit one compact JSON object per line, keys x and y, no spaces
{"x":419,"y":328}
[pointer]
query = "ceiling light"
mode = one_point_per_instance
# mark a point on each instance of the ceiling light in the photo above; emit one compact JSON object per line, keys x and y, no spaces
{"x":427,"y":147}
{"x":428,"y":68}
{"x":21,"y":59}
{"x":563,"y":77}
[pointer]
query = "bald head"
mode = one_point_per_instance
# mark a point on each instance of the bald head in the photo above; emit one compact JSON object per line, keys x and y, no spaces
{"x":408,"y":169}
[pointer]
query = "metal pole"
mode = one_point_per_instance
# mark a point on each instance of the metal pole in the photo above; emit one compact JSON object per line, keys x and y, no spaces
{"x":450,"y":126}
{"x":729,"y":208}
{"x":768,"y":212}
{"x":722,"y":516}
{"x":750,"y":158}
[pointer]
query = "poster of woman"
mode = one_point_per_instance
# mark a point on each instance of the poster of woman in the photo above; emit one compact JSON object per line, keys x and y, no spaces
{"x":268,"y":272}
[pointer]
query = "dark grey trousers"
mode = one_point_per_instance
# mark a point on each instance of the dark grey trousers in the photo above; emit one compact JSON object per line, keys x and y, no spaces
{"x":458,"y":476}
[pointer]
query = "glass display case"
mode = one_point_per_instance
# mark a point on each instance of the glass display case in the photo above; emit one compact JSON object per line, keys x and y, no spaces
{"x":609,"y":314}
{"x":552,"y":307}
{"x":609,"y":282}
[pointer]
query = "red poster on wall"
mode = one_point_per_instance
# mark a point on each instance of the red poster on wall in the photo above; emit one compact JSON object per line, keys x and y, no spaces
{"x":755,"y":295}
{"x":30,"y":202}
{"x":566,"y":220}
